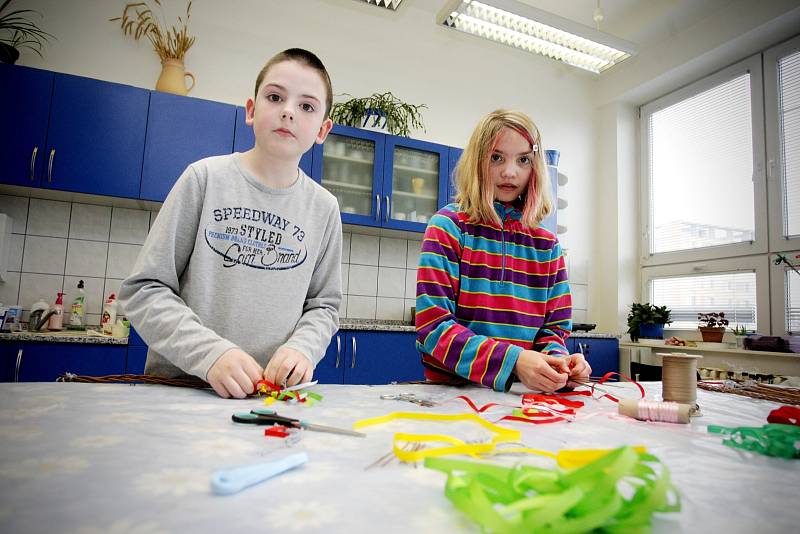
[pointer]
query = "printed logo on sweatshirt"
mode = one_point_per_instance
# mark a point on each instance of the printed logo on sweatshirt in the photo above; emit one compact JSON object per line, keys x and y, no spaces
{"x":255,"y":238}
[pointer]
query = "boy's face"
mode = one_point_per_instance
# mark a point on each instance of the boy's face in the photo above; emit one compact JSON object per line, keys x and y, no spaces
{"x":287,"y":114}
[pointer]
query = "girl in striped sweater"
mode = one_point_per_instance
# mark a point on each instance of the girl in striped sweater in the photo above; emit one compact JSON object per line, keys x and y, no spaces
{"x":493,"y":301}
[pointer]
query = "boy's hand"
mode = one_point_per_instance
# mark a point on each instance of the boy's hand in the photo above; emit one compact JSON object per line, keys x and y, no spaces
{"x":234,"y":374}
{"x":536,"y":371}
{"x":288,"y":367}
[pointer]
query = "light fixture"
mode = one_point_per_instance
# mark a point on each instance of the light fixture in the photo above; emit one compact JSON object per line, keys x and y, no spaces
{"x":534,"y":30}
{"x":389,"y":4}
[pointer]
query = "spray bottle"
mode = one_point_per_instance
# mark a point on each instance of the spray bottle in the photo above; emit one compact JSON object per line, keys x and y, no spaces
{"x":78,"y":310}
{"x":109,"y":317}
{"x":56,"y":321}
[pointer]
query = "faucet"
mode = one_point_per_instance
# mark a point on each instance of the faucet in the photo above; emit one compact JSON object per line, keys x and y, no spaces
{"x":43,"y":320}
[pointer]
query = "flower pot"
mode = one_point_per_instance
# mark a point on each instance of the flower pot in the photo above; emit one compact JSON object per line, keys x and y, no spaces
{"x":712,"y":334}
{"x":740,"y":341}
{"x":173,"y":78}
{"x":651,"y":331}
{"x":8,"y":54}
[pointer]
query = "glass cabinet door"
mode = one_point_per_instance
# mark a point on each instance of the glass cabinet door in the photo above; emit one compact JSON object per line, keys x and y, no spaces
{"x":415,"y":184}
{"x":347,"y":168}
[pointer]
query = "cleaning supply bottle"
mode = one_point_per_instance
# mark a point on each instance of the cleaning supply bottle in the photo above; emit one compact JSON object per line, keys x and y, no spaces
{"x":38,"y":309}
{"x":56,"y":321}
{"x":109,"y":317}
{"x":77,"y":314}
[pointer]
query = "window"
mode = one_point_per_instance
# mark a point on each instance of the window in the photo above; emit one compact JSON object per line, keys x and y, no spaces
{"x":715,"y":154}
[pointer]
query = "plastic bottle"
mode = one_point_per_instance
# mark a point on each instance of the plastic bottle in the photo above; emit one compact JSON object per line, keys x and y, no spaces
{"x":56,"y":321}
{"x":38,"y":309}
{"x":78,"y":309}
{"x":109,"y":317}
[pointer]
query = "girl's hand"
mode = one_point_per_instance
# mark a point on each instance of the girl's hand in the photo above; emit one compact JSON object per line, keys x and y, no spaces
{"x":579,"y":368}
{"x":536,"y":371}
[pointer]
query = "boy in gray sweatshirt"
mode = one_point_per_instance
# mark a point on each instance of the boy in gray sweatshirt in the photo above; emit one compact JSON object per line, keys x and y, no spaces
{"x":240,"y":276}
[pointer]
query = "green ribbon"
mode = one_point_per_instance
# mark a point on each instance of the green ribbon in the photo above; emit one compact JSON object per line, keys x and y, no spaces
{"x":774,"y":439}
{"x":551,"y":501}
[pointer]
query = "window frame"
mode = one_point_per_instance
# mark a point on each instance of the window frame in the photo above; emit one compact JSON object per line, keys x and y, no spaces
{"x":753,"y":66}
{"x":758,"y":263}
{"x":777,"y":243}
{"x":778,"y":292}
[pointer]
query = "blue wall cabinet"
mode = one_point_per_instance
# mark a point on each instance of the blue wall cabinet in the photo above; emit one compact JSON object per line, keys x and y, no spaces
{"x":453,"y":156}
{"x":601,"y":353}
{"x":350,"y":165}
{"x":95,"y":140}
{"x":244,"y":140}
{"x":370,"y":358}
{"x":44,"y":362}
{"x":181,"y":130}
{"x":24,"y":111}
{"x":414,"y":182}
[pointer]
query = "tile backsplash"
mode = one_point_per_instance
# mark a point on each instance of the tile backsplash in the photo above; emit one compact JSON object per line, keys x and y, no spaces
{"x":55,"y":243}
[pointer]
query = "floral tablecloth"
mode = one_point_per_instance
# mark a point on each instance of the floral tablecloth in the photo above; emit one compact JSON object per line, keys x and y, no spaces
{"x":86,"y":458}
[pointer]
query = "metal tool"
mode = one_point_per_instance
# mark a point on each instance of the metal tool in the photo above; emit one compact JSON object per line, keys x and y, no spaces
{"x":410,"y":397}
{"x":269,"y":417}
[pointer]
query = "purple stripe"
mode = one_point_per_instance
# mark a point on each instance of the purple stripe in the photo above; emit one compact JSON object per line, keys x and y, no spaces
{"x":509,"y":318}
{"x":514,"y":237}
{"x":435,"y":290}
{"x":482,"y":271}
{"x":495,"y":364}
{"x":437,"y":248}
{"x":557,"y":316}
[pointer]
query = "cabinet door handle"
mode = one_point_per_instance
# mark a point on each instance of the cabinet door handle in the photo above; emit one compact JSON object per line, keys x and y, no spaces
{"x":388,"y":208}
{"x":355,"y":350}
{"x":338,"y":349}
{"x":19,"y":363}
{"x":33,"y":161}
{"x":378,"y":208}
{"x":50,"y":165}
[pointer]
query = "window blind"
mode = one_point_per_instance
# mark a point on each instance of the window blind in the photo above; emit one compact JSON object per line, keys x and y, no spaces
{"x":789,"y":91}
{"x":686,"y":296}
{"x":701,"y":170}
{"x":792,"y":302}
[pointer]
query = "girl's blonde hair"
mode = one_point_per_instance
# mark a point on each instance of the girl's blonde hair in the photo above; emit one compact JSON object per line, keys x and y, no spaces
{"x":475,"y":193}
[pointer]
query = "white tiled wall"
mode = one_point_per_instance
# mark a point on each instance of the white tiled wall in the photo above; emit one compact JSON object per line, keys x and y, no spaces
{"x":54,"y":244}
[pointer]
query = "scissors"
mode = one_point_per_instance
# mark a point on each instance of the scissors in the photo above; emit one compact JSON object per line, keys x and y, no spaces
{"x":269,"y":417}
{"x":410,"y":397}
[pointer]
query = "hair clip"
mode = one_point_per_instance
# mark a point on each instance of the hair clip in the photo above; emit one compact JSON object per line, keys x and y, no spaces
{"x":535,"y":148}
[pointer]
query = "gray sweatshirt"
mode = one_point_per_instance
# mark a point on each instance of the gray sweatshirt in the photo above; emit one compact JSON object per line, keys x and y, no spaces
{"x":230,"y":262}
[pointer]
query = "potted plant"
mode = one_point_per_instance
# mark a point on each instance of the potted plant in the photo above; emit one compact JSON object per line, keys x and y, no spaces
{"x":712,"y":326}
{"x":647,"y":321}
{"x":740,"y":332}
{"x":18,"y":31}
{"x":379,"y":110}
{"x":170,"y":44}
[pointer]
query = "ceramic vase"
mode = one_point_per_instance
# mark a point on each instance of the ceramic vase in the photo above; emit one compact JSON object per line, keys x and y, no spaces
{"x":173,"y":78}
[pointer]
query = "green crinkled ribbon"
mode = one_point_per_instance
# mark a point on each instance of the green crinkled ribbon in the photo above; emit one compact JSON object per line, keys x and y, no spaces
{"x":527,"y":499}
{"x":774,"y":439}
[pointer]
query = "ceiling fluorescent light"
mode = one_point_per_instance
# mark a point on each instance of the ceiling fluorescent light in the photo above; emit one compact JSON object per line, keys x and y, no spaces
{"x":534,"y":30}
{"x":390,"y":4}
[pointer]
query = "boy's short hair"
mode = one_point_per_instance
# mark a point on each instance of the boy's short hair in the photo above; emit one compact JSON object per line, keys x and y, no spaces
{"x":306,"y":58}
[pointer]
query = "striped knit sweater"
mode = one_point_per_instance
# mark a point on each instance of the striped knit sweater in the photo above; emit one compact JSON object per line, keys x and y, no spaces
{"x":485,"y":293}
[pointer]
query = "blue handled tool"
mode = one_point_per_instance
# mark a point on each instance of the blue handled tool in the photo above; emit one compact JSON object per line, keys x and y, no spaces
{"x":228,"y":481}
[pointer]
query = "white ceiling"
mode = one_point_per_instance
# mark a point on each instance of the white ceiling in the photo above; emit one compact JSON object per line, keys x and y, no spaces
{"x":643,"y":22}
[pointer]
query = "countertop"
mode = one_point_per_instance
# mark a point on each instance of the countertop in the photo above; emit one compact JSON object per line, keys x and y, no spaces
{"x":121,"y":458}
{"x":65,"y":336}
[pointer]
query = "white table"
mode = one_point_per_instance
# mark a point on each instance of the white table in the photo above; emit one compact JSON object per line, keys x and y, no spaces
{"x":119,"y":458}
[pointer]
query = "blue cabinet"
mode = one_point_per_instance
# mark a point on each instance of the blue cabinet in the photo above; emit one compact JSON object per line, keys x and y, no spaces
{"x":357,"y":357}
{"x":95,"y":138}
{"x":8,"y":361}
{"x":137,"y":354}
{"x":244,"y":140}
{"x":453,"y":157}
{"x":45,"y":362}
{"x":382,"y":180}
{"x":601,"y":353}
{"x":182,"y":130}
{"x":24,"y":111}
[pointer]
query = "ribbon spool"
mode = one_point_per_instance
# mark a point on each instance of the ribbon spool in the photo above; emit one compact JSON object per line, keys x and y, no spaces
{"x":667,"y":412}
{"x":679,"y":376}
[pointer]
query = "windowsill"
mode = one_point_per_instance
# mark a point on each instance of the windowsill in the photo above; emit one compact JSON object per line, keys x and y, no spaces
{"x":651,"y":345}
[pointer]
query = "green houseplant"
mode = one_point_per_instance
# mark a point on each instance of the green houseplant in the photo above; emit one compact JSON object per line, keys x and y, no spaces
{"x":712,"y":326}
{"x":379,"y":110}
{"x":740,"y":332}
{"x":647,"y":321}
{"x":18,"y":31}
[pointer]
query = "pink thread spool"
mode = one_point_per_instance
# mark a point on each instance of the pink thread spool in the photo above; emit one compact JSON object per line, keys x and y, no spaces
{"x":644,"y":410}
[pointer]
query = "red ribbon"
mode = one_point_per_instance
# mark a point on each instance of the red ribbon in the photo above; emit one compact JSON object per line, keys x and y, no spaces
{"x":785,"y":415}
{"x":608,"y":375}
{"x":277,"y":431}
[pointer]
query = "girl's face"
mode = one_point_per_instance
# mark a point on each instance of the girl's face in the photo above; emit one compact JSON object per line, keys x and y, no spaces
{"x":510,"y":165}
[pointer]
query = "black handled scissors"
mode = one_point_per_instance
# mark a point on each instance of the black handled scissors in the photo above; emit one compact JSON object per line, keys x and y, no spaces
{"x":269,"y":417}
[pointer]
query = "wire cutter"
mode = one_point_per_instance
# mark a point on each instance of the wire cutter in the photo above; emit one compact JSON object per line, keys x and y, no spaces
{"x":269,"y":417}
